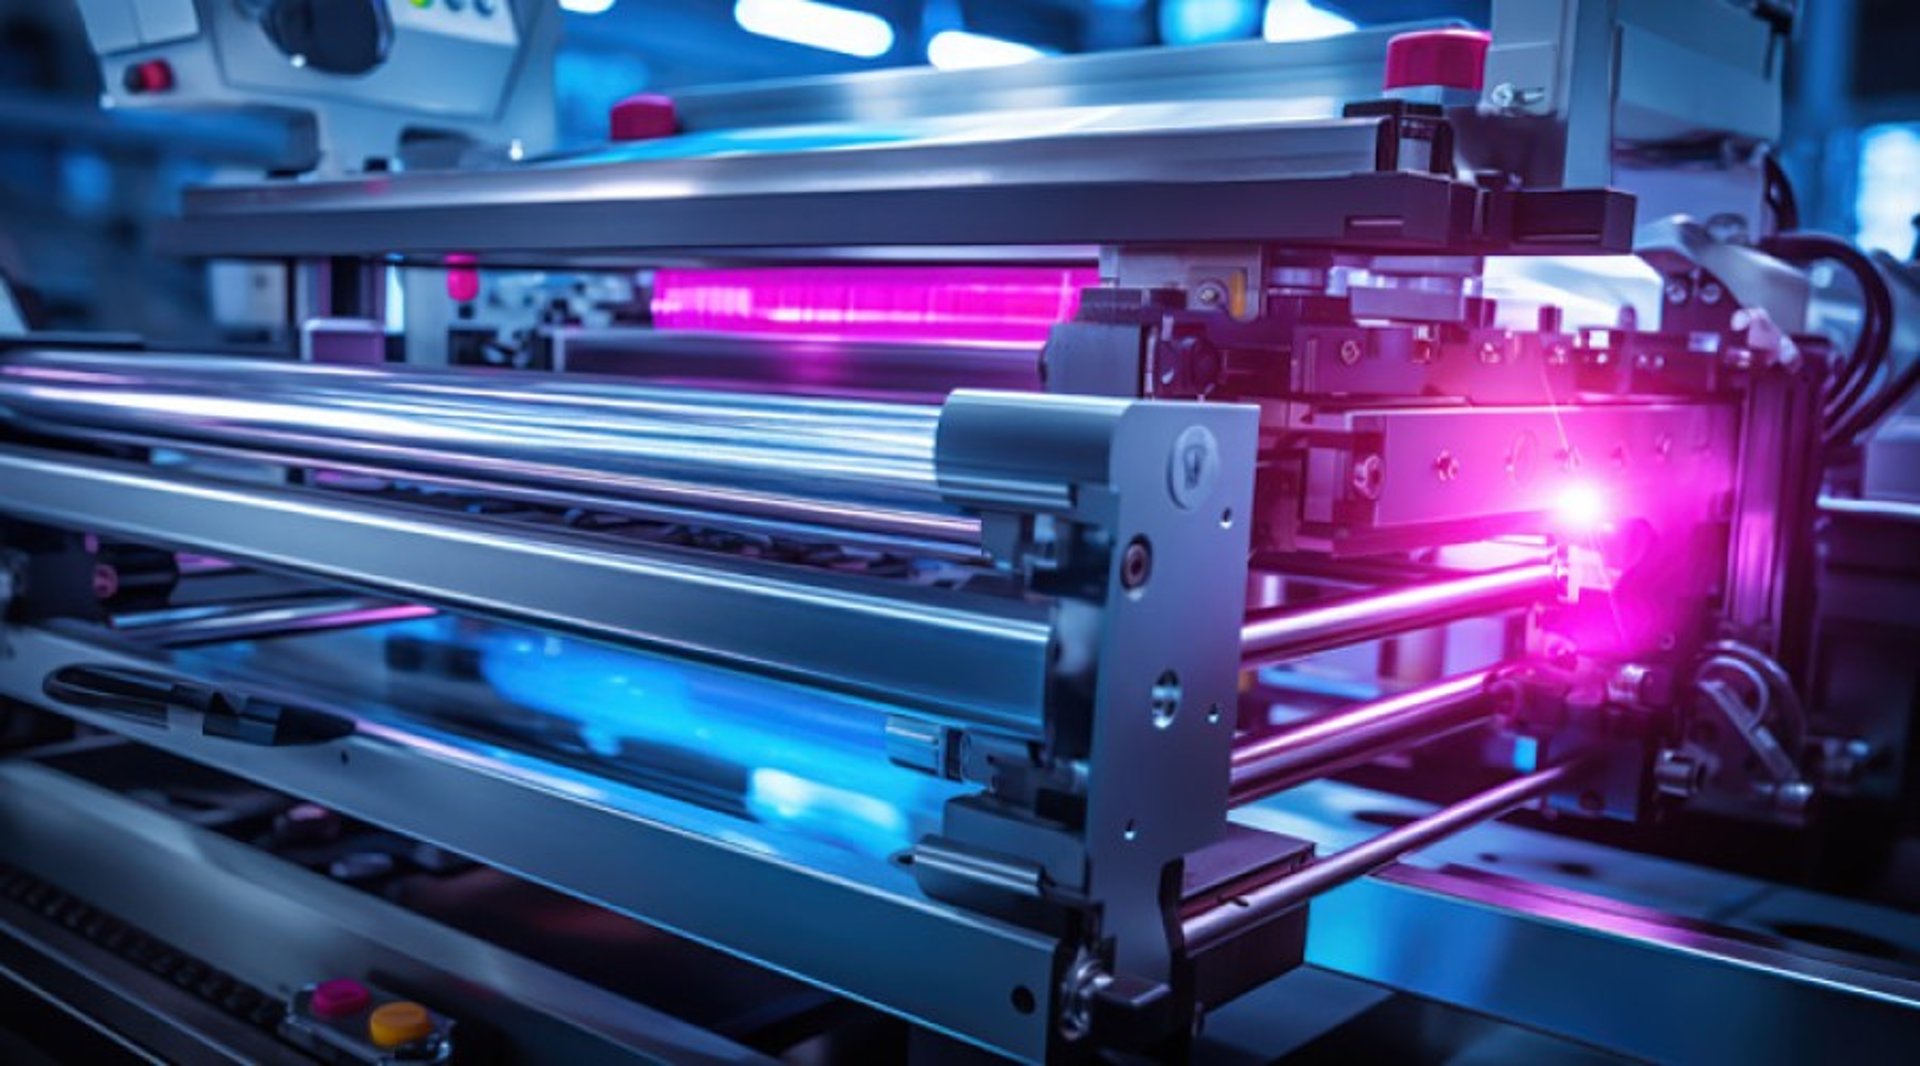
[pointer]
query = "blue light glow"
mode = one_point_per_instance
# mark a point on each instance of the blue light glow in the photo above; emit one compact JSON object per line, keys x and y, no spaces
{"x":828,"y":27}
{"x":1526,"y":754}
{"x":1204,"y":21}
{"x":1300,"y":20}
{"x":1889,"y":188}
{"x":815,"y":765}
{"x":960,"y":50}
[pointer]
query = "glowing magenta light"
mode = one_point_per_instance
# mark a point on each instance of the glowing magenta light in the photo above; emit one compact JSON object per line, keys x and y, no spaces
{"x":1014,"y":305}
{"x":1581,"y":507}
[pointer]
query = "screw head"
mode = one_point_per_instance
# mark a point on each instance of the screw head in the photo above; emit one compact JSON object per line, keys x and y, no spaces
{"x":1711,"y":293}
{"x":1349,"y":351}
{"x":1193,"y":467}
{"x":1368,"y":473}
{"x":1446,"y":467}
{"x":1511,"y":98}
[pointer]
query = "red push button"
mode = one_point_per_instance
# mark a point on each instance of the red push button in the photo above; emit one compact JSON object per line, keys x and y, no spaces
{"x":645,"y":117}
{"x":151,"y":76}
{"x":1446,"y":59}
{"x":338,"y":998}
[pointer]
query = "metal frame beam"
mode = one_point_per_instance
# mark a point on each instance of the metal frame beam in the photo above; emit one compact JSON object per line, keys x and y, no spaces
{"x":967,"y":658}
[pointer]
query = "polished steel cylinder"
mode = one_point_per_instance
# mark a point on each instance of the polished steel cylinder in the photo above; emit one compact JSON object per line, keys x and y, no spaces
{"x":1250,"y":909}
{"x":1293,"y":632}
{"x":816,"y":462}
{"x":269,"y":619}
{"x":1357,"y":735}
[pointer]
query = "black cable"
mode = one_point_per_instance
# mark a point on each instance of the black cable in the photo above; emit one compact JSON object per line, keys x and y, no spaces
{"x":1882,"y":403}
{"x":1870,"y":349}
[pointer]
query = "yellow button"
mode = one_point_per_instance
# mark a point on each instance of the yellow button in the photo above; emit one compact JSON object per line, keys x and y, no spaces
{"x":394,"y":1024}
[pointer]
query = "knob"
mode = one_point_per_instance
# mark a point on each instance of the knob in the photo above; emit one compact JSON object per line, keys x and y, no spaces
{"x":345,"y":37}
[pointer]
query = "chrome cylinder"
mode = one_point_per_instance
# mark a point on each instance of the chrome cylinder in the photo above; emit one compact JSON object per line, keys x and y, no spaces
{"x":1294,"y":632}
{"x":1357,"y":735}
{"x":817,"y":462}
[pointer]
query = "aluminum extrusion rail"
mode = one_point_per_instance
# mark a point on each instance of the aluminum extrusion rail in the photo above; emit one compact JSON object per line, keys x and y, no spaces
{"x":1286,"y":179}
{"x":968,"y":658}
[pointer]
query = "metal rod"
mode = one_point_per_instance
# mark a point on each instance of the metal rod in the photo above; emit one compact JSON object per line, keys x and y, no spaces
{"x":1357,"y":735}
{"x":1296,"y":631}
{"x":952,"y":537}
{"x":828,"y":462}
{"x":1884,"y":510}
{"x":1366,"y":572}
{"x":263,"y":620}
{"x":1252,"y":908}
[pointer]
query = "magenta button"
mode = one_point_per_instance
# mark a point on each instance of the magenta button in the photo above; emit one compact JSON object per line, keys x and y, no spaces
{"x":1448,"y":59}
{"x":338,"y":998}
{"x":463,"y":278}
{"x":644,"y":117}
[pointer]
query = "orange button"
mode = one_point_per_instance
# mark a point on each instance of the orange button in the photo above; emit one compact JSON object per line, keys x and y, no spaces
{"x":394,"y":1024}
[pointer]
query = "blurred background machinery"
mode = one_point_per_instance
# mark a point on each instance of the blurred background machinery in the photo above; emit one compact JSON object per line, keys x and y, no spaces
{"x":870,"y":531}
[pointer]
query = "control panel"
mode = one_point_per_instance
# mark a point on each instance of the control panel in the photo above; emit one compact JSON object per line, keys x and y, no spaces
{"x":480,"y":20}
{"x":374,"y":74}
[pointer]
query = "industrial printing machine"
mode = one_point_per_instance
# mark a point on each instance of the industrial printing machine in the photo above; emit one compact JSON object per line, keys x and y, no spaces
{"x":1004,"y":562}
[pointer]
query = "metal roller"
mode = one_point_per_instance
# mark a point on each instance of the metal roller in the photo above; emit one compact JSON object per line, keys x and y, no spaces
{"x":811,"y":462}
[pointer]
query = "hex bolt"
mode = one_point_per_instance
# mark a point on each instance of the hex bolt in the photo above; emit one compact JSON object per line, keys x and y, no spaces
{"x":1446,"y":467}
{"x":1711,"y":293}
{"x":1349,"y":351}
{"x":1490,"y":352}
{"x":1210,"y":294}
{"x":1677,"y":290}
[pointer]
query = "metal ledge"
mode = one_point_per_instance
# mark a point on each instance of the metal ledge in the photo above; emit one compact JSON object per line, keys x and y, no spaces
{"x":1621,"y":977}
